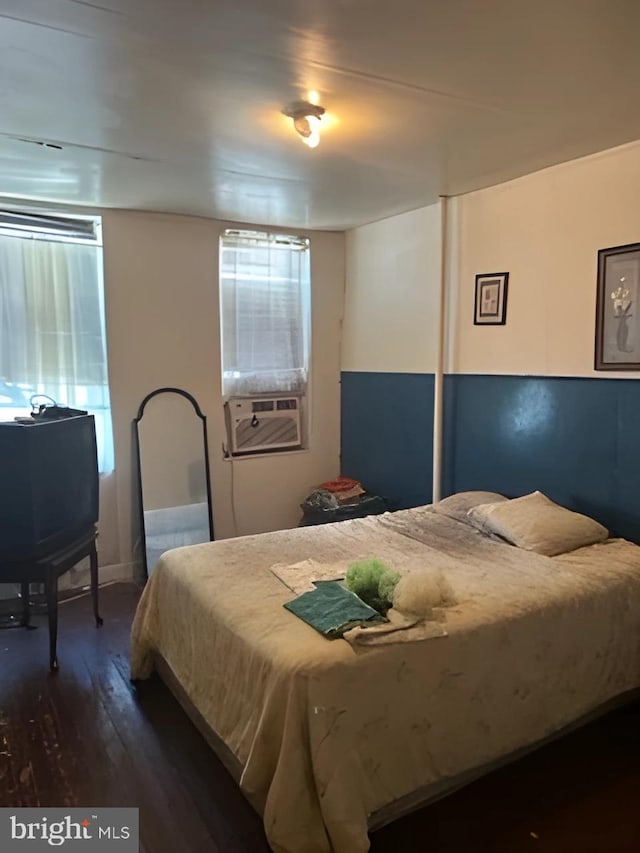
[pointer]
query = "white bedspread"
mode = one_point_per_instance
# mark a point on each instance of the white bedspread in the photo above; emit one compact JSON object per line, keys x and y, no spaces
{"x":327,"y":733}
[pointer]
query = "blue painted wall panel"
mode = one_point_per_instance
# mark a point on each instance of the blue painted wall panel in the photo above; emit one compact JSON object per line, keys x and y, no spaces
{"x":575,"y":439}
{"x":387,"y":434}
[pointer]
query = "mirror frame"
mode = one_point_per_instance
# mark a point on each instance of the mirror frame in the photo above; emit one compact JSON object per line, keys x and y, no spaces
{"x":136,"y":448}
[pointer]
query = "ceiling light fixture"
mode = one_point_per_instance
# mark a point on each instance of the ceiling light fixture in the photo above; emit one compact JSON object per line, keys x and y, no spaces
{"x":306,"y":120}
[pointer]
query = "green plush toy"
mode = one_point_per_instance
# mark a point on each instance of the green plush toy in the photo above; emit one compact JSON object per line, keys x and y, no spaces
{"x":373,"y":582}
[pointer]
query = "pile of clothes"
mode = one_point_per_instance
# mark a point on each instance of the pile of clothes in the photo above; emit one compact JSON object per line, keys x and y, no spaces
{"x":338,"y":500}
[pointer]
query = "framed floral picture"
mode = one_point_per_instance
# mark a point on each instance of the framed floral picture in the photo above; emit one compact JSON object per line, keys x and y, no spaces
{"x":491,"y":299}
{"x":617,"y":321}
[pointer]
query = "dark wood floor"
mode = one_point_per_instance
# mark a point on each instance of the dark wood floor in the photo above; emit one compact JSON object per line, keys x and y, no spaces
{"x":86,"y":737}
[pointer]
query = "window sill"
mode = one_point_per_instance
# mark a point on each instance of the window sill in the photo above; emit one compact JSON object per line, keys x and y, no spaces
{"x":272,"y":455}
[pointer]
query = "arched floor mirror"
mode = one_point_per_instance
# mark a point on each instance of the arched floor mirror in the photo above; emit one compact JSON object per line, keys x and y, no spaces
{"x":174,"y":485}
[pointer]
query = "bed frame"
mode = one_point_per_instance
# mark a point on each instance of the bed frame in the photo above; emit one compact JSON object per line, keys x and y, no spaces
{"x":416,"y":799}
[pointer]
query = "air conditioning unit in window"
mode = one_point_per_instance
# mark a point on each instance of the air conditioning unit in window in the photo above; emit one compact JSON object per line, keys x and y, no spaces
{"x":262,"y":424}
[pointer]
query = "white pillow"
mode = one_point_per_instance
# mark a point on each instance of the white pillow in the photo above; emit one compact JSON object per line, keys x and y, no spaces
{"x":536,"y":523}
{"x":458,"y":506}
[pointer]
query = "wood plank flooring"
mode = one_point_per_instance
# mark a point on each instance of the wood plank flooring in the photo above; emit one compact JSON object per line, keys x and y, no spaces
{"x":86,"y":736}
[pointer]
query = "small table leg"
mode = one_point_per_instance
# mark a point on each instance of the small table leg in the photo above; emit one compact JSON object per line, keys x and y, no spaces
{"x":51,"y":586}
{"x":93,"y":559}
{"x":26,"y":610}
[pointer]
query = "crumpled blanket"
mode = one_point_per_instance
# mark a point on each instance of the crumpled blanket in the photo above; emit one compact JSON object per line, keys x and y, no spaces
{"x":396,"y":630}
{"x":301,"y":576}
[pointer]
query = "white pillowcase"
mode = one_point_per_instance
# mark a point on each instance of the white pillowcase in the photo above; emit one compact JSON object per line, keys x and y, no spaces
{"x":536,"y":523}
{"x":458,"y":506}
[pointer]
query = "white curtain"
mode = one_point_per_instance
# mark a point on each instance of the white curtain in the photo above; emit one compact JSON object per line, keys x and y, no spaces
{"x":52,"y":338}
{"x":265,"y":299}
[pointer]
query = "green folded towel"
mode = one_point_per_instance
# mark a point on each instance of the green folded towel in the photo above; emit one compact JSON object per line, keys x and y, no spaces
{"x":331,"y":609}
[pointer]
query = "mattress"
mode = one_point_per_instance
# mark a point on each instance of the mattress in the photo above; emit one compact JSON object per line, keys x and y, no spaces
{"x":328,"y":734}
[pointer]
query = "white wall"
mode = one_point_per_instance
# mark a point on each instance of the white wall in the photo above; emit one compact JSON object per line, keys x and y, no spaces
{"x":162,"y":313}
{"x":391,"y":300}
{"x":545,"y":229}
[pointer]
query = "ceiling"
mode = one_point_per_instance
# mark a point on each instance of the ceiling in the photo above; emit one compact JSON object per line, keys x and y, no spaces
{"x":174,"y":105}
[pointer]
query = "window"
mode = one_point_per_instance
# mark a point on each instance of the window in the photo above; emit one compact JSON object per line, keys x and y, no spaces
{"x":52,"y":331}
{"x":265,"y":308}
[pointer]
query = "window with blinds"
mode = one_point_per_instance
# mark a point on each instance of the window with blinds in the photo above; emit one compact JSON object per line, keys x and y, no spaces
{"x":52,"y":329}
{"x":265,"y":313}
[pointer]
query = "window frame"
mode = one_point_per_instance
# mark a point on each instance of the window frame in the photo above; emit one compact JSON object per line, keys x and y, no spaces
{"x":54,"y":226}
{"x":304,"y":396}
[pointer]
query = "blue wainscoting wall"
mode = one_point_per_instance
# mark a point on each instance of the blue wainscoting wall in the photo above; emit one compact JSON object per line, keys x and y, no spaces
{"x":575,"y":439}
{"x":387,"y":434}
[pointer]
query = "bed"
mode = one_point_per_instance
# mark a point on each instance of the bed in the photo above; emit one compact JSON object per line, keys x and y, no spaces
{"x":329,"y":739}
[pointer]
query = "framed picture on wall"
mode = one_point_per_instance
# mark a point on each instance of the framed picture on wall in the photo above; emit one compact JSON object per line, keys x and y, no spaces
{"x":617,"y":321}
{"x":491,"y":299}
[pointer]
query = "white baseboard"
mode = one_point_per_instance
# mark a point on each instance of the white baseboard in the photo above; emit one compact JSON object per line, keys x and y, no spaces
{"x":118,"y":572}
{"x":80,"y":577}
